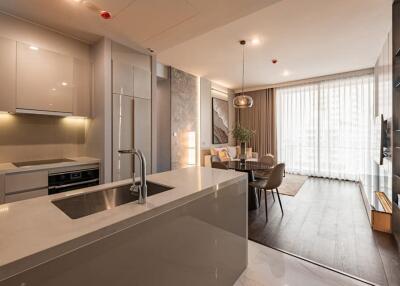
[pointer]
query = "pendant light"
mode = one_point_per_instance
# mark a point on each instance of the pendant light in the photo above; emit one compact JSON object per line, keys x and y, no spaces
{"x":242,"y":100}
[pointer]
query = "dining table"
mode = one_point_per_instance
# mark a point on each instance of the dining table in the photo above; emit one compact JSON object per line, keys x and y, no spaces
{"x":250,"y":167}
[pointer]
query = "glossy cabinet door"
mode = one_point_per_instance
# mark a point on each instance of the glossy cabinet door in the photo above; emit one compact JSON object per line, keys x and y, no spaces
{"x":141,"y":83}
{"x":83,"y":88}
{"x":8,"y":60}
{"x":44,"y":80}
{"x":142,"y":131}
{"x":122,"y":136}
{"x":122,"y":78}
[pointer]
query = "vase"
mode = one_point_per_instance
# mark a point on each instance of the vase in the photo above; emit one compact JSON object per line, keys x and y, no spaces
{"x":243,"y":156}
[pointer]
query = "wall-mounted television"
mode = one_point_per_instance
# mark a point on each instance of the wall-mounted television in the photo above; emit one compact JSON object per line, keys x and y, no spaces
{"x":382,"y":146}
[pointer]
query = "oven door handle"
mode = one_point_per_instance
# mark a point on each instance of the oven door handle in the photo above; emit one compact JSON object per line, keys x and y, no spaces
{"x":73,"y":184}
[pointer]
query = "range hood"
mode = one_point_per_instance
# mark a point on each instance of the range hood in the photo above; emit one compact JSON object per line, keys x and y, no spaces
{"x":42,"y":112}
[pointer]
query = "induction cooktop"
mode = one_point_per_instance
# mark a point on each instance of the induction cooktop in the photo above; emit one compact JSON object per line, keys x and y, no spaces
{"x":41,"y":162}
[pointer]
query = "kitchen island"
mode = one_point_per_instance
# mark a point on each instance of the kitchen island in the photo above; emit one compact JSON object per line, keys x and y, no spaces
{"x":193,"y":234}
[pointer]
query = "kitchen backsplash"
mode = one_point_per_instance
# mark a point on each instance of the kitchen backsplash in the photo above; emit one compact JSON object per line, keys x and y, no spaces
{"x":33,"y":137}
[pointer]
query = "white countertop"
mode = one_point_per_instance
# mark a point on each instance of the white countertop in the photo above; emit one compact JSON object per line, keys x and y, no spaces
{"x":34,"y":231}
{"x":8,"y":168}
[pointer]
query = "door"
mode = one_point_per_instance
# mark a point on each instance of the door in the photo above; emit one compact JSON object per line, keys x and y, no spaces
{"x":8,"y":60}
{"x":122,"y":136}
{"x":44,"y":80}
{"x":83,"y":88}
{"x":142,"y":133}
{"x":122,"y":78}
{"x":142,"y":83}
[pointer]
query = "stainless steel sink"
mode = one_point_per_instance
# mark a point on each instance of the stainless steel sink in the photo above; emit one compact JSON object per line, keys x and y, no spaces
{"x":81,"y":205}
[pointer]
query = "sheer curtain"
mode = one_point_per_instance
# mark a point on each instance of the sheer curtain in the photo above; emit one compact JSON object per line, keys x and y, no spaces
{"x":325,"y":129}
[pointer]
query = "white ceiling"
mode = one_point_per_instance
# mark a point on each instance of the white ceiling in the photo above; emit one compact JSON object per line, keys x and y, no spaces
{"x":308,"y":37}
{"x":156,"y":24}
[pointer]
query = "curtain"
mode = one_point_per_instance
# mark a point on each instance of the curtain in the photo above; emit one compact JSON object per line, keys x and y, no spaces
{"x":261,"y":119}
{"x":325,"y":129}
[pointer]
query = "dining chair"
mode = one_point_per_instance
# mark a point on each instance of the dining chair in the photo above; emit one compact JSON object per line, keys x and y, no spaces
{"x":268,"y":160}
{"x":273,"y":182}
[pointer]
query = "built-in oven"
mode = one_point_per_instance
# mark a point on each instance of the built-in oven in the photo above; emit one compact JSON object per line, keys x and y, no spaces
{"x":72,"y":180}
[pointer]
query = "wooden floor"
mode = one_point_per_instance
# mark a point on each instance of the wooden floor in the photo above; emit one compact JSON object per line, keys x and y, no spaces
{"x":326,"y":222}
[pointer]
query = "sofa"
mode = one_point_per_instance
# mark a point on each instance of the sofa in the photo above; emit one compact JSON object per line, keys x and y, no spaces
{"x":225,"y":153}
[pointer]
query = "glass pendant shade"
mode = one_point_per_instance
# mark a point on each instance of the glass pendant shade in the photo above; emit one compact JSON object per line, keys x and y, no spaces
{"x":242,"y":101}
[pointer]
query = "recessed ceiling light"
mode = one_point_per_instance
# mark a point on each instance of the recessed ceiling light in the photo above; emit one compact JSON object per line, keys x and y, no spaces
{"x":34,"y":48}
{"x":255,"y":41}
{"x":286,"y":73}
{"x":64,"y":83}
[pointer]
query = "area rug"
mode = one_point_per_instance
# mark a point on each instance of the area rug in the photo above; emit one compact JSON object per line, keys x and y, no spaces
{"x":291,"y":184}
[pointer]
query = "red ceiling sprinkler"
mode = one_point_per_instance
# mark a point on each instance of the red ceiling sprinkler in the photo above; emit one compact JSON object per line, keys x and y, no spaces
{"x":274,"y":61}
{"x":105,"y":15}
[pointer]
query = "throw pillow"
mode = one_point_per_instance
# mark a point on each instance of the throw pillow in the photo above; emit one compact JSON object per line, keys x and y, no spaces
{"x":232,"y":151}
{"x":224,"y":155}
{"x":249,"y":153}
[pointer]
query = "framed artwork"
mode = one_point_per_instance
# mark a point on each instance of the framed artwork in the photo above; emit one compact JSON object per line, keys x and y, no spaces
{"x":220,"y":121}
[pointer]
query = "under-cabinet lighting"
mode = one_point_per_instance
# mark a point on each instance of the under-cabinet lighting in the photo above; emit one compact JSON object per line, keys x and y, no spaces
{"x":74,"y":118}
{"x":34,"y":48}
{"x":5,"y":116}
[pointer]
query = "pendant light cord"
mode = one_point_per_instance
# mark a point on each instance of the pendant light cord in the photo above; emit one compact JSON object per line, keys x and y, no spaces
{"x":243,"y":72}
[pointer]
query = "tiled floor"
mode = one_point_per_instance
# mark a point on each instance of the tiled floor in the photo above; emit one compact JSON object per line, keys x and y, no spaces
{"x":270,"y":267}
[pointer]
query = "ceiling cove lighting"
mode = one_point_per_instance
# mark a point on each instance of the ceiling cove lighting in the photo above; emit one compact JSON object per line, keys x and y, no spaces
{"x":242,"y":100}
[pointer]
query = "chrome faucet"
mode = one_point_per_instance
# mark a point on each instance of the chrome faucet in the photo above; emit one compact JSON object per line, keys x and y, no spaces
{"x":142,"y":188}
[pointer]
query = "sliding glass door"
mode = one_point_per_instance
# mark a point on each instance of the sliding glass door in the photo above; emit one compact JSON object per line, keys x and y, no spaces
{"x":325,"y":129}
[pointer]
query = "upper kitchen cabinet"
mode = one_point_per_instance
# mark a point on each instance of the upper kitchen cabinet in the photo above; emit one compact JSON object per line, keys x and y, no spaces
{"x":8,"y":60}
{"x":141,"y":83}
{"x":44,"y":80}
{"x":83,"y":88}
{"x":122,"y":78}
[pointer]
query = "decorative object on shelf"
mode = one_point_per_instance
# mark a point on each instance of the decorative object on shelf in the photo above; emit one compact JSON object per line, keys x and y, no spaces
{"x":242,"y":100}
{"x":242,"y":135}
{"x":220,"y":121}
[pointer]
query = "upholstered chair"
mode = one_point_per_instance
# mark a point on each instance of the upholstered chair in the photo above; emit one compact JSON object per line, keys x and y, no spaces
{"x":273,"y":182}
